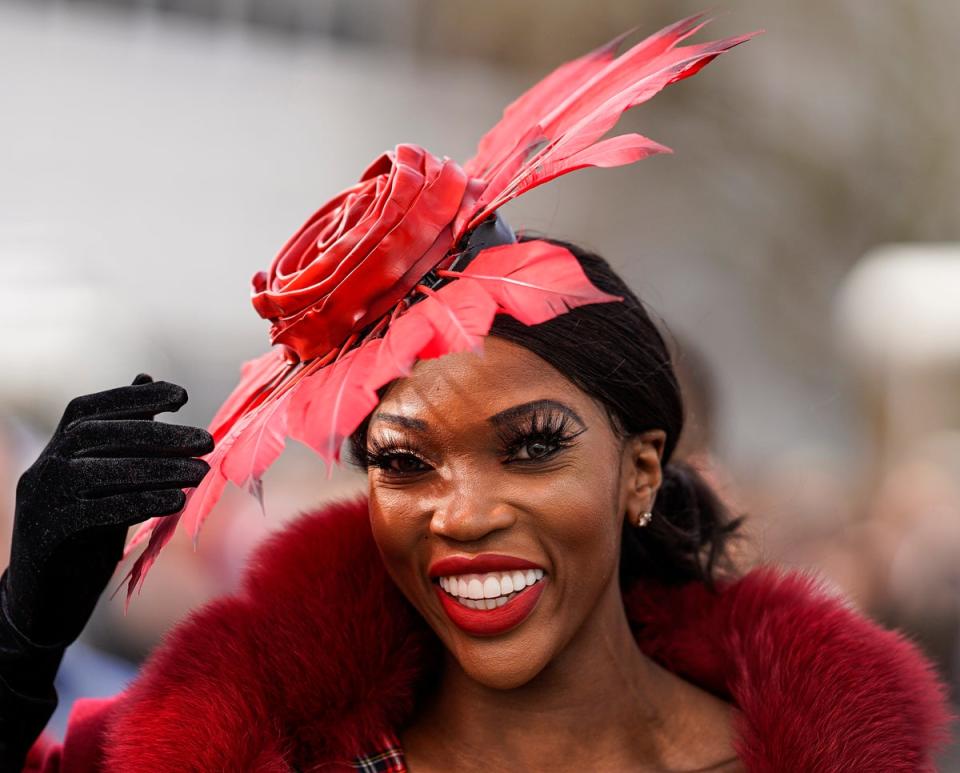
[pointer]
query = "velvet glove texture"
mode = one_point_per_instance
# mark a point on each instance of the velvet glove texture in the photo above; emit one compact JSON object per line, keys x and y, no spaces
{"x":108,"y":466}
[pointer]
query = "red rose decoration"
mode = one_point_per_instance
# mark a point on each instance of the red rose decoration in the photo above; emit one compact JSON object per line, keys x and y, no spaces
{"x":362,"y":252}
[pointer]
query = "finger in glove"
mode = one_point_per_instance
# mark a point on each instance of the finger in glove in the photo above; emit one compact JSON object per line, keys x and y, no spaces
{"x":99,"y":477}
{"x":132,"y":507}
{"x":137,"y":401}
{"x":135,"y":437}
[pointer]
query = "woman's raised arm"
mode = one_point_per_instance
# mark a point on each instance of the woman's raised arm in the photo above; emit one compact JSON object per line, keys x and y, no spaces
{"x":108,"y":466}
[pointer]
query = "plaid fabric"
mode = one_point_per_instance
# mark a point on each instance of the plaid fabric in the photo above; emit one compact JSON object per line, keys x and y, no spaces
{"x":388,"y":760}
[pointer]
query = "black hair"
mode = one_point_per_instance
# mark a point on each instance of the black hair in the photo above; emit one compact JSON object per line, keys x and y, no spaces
{"x":616,"y":354}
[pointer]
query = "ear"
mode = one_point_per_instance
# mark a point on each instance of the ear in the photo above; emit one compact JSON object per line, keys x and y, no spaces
{"x":641,"y":473}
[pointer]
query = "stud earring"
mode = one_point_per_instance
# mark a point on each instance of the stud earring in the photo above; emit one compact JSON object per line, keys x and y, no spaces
{"x":641,"y":520}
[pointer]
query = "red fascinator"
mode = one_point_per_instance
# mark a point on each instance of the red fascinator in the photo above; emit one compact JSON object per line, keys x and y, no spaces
{"x":412,"y":262}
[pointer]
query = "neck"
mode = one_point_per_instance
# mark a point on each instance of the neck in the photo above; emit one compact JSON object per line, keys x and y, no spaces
{"x":599,"y":687}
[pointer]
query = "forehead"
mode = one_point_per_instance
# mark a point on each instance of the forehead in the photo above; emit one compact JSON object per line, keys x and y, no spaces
{"x":479,"y":385}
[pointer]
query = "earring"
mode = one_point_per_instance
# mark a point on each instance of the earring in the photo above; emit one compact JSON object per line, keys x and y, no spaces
{"x":641,"y":520}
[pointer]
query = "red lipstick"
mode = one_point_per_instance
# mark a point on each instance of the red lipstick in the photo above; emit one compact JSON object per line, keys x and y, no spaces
{"x":485,"y":562}
{"x":491,"y":622}
{"x":487,"y":622}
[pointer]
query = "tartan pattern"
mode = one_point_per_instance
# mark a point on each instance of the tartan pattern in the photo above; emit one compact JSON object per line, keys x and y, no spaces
{"x":388,"y":760}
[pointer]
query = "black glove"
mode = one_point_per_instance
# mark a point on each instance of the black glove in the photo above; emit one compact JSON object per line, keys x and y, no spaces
{"x":108,"y":466}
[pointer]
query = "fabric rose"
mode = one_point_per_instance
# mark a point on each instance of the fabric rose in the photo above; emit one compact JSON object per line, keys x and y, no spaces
{"x":362,"y":252}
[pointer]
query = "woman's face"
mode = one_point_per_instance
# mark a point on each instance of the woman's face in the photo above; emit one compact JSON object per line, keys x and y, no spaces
{"x":494,"y":476}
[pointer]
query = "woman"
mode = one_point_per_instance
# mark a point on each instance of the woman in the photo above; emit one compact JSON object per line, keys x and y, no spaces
{"x":533,"y":583}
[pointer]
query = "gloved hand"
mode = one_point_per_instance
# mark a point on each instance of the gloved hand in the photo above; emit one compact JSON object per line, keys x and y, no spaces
{"x":108,"y":466}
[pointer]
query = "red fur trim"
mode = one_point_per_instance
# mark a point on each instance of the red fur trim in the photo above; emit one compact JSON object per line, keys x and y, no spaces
{"x":819,"y":687}
{"x":320,"y":653}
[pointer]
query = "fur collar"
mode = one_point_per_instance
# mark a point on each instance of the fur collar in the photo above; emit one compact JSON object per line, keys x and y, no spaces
{"x":320,"y":654}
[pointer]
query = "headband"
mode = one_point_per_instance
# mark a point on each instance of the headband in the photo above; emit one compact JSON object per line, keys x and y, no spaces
{"x":413,"y":262}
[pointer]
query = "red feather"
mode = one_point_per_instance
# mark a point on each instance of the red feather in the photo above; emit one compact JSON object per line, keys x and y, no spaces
{"x":533,"y":281}
{"x":404,"y":340}
{"x":256,"y":376}
{"x":254,"y":450}
{"x":460,"y":314}
{"x":336,"y":400}
{"x":616,"y":151}
{"x":145,"y":529}
{"x":497,"y":143}
{"x":543,"y":134}
{"x":160,"y":530}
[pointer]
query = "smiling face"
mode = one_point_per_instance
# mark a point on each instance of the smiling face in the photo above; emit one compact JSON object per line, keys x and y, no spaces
{"x":493,"y":475}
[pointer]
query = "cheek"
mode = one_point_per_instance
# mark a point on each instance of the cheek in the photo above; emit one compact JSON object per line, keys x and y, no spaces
{"x":398,"y":527}
{"x":581,"y":525}
{"x":593,"y":525}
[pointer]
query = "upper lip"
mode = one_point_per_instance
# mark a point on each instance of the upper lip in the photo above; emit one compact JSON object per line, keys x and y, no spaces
{"x":485,"y":562}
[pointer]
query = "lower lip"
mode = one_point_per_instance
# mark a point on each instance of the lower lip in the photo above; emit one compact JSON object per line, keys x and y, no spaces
{"x":491,"y":622}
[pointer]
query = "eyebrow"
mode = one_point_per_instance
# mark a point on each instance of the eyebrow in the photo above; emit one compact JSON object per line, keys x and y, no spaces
{"x":498,"y":419}
{"x":402,"y":421}
{"x":512,"y":414}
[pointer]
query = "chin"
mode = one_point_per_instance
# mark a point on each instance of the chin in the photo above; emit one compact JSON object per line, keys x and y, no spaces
{"x":498,"y":664}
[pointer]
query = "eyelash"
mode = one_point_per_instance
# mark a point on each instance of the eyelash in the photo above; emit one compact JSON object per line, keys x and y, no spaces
{"x":554,"y":429}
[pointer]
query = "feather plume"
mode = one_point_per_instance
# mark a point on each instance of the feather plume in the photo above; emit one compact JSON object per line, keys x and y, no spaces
{"x":546,"y":132}
{"x":254,"y":451}
{"x":335,"y":401}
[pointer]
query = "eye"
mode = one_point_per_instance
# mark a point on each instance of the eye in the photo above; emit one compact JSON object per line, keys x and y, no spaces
{"x":536,"y":448}
{"x":394,"y":459}
{"x":400,"y":463}
{"x":538,"y":438}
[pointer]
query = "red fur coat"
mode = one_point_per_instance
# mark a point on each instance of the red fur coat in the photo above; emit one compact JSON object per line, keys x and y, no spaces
{"x":319,"y":654}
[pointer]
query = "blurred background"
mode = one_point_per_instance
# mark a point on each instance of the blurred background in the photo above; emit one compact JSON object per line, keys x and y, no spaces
{"x":802,"y":247}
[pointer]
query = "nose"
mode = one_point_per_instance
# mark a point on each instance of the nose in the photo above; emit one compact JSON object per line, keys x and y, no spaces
{"x":471,"y":511}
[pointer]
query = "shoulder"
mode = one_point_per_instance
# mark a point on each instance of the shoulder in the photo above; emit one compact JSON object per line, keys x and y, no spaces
{"x":816,"y":682}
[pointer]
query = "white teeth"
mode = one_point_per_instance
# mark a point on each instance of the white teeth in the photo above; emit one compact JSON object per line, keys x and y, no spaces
{"x":486,"y":603}
{"x":489,"y":590}
{"x":475,"y":589}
